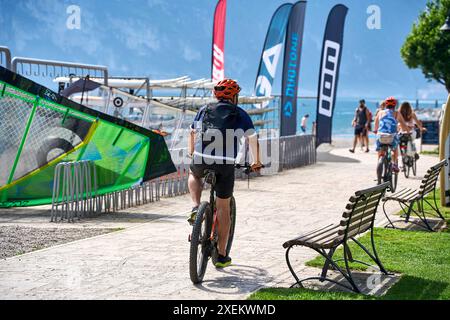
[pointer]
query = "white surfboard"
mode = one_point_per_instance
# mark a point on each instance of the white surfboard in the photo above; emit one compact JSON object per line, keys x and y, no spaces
{"x":444,"y":153}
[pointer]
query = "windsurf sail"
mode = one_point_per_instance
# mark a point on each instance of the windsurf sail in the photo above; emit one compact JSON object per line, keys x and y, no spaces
{"x":39,"y":129}
{"x":218,"y":43}
{"x":329,"y":72}
{"x":273,"y":47}
{"x":291,"y":69}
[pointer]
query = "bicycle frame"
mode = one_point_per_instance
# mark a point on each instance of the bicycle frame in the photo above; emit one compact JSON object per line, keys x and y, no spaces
{"x":386,"y":150}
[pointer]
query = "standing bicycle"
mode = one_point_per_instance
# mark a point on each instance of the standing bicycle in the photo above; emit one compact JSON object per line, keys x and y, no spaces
{"x":409,"y":156}
{"x":387,"y":142}
{"x":214,"y":143}
{"x":407,"y":139}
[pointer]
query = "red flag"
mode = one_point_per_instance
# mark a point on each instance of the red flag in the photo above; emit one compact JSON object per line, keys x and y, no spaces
{"x":218,"y":47}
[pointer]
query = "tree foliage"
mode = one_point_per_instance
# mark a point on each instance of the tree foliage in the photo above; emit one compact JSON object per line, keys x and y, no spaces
{"x":427,"y":47}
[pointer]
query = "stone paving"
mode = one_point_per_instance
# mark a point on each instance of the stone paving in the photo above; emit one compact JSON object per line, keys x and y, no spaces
{"x":149,"y":259}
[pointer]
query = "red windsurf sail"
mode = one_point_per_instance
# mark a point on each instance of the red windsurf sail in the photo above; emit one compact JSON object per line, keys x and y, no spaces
{"x":218,"y":44}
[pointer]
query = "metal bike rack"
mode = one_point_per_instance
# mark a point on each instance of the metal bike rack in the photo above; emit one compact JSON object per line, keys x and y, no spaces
{"x":53,"y":69}
{"x":74,"y":190}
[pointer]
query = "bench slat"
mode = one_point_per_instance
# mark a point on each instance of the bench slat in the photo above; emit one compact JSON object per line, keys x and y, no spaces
{"x":329,"y":232}
{"x":355,"y":226}
{"x":370,"y":205}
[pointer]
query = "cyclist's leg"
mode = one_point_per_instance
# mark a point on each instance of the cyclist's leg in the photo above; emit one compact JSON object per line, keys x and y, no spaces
{"x":196,"y":172}
{"x":224,"y":191}
{"x":224,"y":222}
{"x":394,"y":148}
{"x":378,"y":148}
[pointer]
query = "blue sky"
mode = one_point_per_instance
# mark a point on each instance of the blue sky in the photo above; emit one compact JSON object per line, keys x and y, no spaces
{"x":170,"y":38}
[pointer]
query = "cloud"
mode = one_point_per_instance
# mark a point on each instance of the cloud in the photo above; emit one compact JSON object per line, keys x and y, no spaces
{"x":432,"y":90}
{"x":136,"y":35}
{"x":235,"y":66}
{"x":191,"y":54}
{"x":358,"y":59}
{"x":51,"y":19}
{"x":21,"y":36}
{"x":159,"y":4}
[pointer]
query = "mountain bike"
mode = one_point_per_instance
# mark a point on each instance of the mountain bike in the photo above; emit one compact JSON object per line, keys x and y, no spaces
{"x":384,"y":167}
{"x":409,"y":159}
{"x":204,"y":237}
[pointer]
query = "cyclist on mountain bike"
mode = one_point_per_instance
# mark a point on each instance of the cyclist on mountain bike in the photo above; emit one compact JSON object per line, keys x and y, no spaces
{"x":386,"y":123}
{"x":213,"y":145}
{"x":411,"y":122}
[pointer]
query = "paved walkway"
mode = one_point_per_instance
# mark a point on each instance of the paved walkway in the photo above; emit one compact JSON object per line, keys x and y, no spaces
{"x":150,"y":260}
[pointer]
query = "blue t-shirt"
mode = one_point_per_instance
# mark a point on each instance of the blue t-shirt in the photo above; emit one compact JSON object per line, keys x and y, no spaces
{"x":243,"y":126}
{"x":388,"y":123}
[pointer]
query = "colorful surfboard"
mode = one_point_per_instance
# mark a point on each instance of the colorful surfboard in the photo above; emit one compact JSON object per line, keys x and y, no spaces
{"x":444,"y":153}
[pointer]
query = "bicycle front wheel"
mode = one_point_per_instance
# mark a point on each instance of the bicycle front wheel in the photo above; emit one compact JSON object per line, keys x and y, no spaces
{"x":414,"y":167}
{"x":200,"y":249}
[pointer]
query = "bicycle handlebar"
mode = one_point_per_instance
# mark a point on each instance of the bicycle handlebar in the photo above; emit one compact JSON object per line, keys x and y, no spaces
{"x":247,"y":167}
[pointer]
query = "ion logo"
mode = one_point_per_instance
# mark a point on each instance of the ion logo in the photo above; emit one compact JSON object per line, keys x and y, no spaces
{"x":218,"y":64}
{"x":328,"y":77}
{"x":264,"y":83}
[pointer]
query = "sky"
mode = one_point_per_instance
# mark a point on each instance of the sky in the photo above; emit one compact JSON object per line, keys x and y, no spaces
{"x":171,"y":38}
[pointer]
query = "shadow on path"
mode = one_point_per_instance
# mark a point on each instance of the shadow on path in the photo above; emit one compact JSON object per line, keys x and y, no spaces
{"x":236,"y":279}
{"x":328,"y":157}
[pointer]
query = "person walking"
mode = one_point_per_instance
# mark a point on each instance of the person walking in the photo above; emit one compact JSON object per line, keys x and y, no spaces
{"x":361,"y":123}
{"x":304,"y":121}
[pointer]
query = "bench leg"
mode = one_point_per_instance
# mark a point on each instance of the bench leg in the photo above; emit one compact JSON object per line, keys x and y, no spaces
{"x":421,"y":214}
{"x":373,"y":256}
{"x":387,"y":217}
{"x":435,"y":207}
{"x":328,"y":261}
{"x":349,"y":275}
{"x":297,"y":280}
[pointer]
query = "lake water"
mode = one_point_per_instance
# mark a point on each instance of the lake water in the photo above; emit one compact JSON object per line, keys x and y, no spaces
{"x":344,"y":112}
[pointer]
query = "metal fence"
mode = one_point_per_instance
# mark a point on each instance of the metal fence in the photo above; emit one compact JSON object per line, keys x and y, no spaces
{"x":297,"y":151}
{"x":5,"y":57}
{"x":278,"y":154}
{"x":53,"y":69}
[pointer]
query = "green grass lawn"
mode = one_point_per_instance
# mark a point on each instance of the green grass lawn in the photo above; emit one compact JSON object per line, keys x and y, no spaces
{"x":434,"y":152}
{"x":423,"y":259}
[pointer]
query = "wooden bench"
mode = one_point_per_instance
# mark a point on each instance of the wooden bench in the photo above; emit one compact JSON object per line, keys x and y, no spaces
{"x":408,"y":197}
{"x":358,"y":218}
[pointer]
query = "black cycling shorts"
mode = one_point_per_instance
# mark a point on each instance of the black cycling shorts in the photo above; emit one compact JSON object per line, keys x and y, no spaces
{"x":224,"y":177}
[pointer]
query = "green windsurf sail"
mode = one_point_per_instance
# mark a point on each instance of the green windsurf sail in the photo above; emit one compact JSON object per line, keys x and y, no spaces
{"x":39,"y":129}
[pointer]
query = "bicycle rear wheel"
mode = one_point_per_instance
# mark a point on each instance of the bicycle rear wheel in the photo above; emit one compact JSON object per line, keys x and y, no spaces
{"x":394,"y":180}
{"x":414,"y":167}
{"x":232,"y":225}
{"x":380,"y":170}
{"x":406,"y":167}
{"x":200,"y":249}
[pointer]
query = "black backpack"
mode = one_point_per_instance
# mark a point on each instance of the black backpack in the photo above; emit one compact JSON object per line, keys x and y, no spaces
{"x":219,"y":116}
